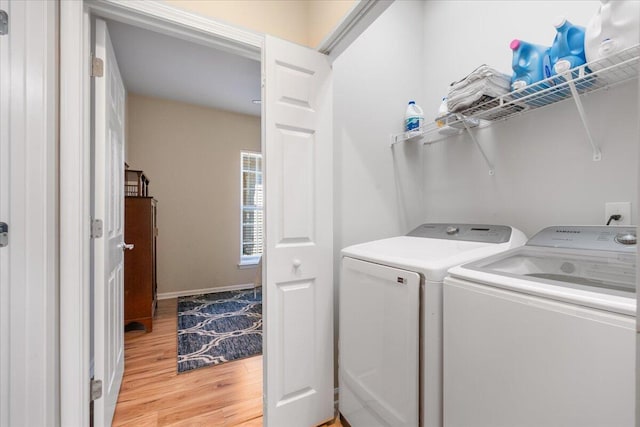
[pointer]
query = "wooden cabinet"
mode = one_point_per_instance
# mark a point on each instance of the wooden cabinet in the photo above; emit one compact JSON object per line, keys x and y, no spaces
{"x":140,"y":284}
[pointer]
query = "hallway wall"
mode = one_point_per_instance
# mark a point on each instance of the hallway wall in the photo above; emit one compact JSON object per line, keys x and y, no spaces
{"x":191,"y":154}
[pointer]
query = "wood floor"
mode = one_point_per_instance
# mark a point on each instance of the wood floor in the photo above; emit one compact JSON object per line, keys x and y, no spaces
{"x":154,"y":394}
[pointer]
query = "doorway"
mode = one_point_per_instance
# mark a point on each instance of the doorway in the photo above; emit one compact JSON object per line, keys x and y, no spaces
{"x":298,"y":151}
{"x":193,"y":138}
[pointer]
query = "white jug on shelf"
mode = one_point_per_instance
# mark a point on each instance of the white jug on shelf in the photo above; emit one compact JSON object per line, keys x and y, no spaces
{"x":615,"y":27}
{"x":413,"y":118}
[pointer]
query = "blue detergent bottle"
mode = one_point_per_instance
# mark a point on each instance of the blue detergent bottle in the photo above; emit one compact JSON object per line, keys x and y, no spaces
{"x":567,"y":50}
{"x":530,"y":64}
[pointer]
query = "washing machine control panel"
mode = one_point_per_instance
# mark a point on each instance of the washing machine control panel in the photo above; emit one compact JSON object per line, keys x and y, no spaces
{"x":465,"y":232}
{"x":601,"y":238}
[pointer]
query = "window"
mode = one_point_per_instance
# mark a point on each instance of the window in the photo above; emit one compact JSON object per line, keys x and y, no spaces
{"x":251,"y":209}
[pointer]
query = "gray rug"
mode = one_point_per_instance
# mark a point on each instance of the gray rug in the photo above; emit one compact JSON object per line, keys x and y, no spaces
{"x":218,"y":327}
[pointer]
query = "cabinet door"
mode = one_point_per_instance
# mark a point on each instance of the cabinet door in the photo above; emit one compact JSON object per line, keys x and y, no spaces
{"x":139,"y":268}
{"x":379,"y":360}
{"x":154,"y":254}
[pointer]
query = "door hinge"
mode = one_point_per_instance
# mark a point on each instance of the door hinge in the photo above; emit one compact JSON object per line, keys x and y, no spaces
{"x":96,"y":389}
{"x":4,"y":234}
{"x":97,"y":66}
{"x":96,"y":228}
{"x":4,"y":23}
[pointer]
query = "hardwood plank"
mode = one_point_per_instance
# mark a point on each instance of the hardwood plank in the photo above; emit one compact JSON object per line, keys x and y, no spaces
{"x":242,"y":411}
{"x":256,"y":422}
{"x":214,"y":419}
{"x":148,"y":420}
{"x":153,"y":394}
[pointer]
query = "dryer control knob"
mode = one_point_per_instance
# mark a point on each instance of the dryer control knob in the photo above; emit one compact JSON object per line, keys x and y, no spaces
{"x":626,"y":238}
{"x":452,"y":230}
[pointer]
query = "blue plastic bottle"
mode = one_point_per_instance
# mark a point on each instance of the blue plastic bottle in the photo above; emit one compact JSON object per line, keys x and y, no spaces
{"x":530,"y":64}
{"x":567,"y":50}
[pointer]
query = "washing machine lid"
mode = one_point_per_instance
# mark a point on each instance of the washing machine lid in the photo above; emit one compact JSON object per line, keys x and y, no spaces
{"x":591,"y":266}
{"x":432,"y":249}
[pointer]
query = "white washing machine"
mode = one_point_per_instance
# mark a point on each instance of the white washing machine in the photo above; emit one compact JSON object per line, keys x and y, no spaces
{"x":390,"y":348}
{"x":544,"y":335}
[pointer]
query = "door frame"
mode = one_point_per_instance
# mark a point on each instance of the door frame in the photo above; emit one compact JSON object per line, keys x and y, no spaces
{"x":75,"y":148}
{"x":28,"y":166}
{"x":75,"y":164}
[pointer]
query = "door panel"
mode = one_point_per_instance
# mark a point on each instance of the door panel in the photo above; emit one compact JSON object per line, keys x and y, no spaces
{"x":109,"y":97}
{"x":295,"y":298}
{"x":297,"y":179}
{"x":298,"y":261}
{"x":379,"y":345}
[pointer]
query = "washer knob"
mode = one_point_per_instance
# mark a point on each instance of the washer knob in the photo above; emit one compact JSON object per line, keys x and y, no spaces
{"x":626,"y":238}
{"x":452,"y":230}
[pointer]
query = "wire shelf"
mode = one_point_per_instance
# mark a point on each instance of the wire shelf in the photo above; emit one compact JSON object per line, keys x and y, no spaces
{"x":594,"y":76}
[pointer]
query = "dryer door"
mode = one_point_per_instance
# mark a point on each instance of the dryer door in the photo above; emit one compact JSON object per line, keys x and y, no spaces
{"x":379,"y":361}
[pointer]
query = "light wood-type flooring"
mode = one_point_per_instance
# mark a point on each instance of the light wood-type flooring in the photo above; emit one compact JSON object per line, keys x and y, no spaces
{"x":154,"y":394}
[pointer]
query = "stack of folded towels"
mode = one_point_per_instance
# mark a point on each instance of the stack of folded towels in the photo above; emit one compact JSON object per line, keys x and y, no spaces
{"x":483,"y":84}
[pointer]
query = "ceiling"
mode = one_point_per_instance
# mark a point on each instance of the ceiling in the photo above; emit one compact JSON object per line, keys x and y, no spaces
{"x":156,"y":65}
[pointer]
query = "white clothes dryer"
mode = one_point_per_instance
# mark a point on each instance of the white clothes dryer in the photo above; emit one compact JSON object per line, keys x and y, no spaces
{"x":390,"y":325}
{"x":544,"y":335}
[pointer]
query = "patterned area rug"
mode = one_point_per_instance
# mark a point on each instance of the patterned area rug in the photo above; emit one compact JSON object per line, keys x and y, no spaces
{"x":218,"y":327}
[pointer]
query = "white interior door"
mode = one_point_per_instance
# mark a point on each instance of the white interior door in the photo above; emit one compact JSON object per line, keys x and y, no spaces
{"x":299,"y":235}
{"x":109,"y":96}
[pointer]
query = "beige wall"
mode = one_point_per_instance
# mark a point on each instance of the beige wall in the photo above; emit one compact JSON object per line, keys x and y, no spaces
{"x":191,"y":155}
{"x":323,"y":16}
{"x":303,"y":22}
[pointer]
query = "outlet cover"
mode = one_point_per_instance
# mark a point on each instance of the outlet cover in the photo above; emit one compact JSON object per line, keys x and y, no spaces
{"x":618,"y":208}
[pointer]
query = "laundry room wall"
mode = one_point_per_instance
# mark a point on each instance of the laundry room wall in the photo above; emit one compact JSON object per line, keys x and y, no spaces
{"x":191,"y":154}
{"x":544,"y":173}
{"x":377,"y":190}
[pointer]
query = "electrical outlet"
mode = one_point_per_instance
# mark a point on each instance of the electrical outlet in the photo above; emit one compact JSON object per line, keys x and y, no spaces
{"x":618,"y":208}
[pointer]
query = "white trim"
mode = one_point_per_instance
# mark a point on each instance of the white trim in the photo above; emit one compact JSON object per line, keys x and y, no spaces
{"x":169,"y":295}
{"x":74,"y":214}
{"x":29,"y":204}
{"x":358,"y":19}
{"x":179,"y":23}
{"x":249,"y":263}
{"x":5,"y":149}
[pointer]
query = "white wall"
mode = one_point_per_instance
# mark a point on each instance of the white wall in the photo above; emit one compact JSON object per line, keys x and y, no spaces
{"x":544,"y":172}
{"x":378,"y":190}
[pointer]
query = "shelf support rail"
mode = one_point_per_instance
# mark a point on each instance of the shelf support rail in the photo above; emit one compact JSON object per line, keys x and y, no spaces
{"x":597,"y":154}
{"x":462,"y":119}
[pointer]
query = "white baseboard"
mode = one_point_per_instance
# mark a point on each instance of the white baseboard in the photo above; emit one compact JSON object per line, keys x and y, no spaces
{"x":169,"y":295}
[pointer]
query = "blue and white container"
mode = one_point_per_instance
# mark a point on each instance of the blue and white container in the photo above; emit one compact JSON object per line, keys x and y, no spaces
{"x":414,"y":117}
{"x":530,"y":64}
{"x":567,"y":50}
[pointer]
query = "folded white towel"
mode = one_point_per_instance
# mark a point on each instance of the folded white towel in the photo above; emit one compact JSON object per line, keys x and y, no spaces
{"x":481,"y":82}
